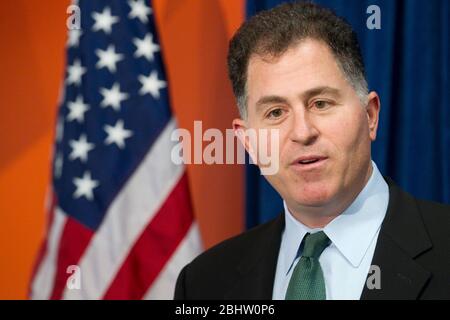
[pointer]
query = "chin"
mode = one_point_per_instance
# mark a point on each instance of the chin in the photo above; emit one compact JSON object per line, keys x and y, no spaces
{"x":313,"y":196}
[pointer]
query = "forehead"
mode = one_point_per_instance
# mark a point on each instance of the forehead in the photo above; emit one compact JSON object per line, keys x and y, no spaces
{"x":306,"y":65}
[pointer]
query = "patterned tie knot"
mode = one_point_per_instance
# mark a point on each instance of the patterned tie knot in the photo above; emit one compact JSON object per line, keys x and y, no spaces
{"x":315,"y":244}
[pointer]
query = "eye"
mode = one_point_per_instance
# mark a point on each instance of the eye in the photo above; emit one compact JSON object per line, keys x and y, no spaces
{"x":275,"y":113}
{"x":321,"y":104}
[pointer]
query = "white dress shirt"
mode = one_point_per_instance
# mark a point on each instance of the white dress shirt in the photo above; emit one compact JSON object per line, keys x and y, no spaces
{"x":346,"y":261}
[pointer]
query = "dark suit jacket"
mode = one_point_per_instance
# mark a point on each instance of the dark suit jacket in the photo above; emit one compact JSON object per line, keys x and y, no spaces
{"x":412,"y":252}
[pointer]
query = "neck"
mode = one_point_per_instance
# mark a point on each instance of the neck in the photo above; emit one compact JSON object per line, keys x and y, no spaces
{"x":320,"y":216}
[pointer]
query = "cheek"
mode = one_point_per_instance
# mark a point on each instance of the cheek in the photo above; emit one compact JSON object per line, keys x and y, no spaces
{"x":347,"y":132}
{"x":273,"y":142}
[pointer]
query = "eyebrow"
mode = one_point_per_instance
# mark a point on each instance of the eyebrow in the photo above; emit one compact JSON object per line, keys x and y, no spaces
{"x":320,"y":90}
{"x":308,"y":94}
{"x":264,"y":101}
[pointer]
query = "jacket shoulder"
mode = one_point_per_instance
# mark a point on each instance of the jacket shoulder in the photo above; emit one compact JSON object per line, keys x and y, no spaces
{"x":436,"y":218}
{"x":214,"y":272}
{"x":235,"y":248}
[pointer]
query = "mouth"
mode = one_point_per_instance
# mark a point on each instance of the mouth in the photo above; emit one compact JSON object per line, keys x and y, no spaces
{"x":309,"y":162}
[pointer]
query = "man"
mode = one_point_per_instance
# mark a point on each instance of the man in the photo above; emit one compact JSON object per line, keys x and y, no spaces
{"x":346,"y":232}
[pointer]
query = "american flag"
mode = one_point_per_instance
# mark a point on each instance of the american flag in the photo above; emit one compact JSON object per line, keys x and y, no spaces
{"x":120,"y":218}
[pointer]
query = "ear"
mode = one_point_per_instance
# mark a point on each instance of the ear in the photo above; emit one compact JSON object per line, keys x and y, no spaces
{"x":373,"y":111}
{"x":240,"y":127}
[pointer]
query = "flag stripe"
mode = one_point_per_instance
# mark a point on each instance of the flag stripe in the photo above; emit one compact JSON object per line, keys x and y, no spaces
{"x":154,"y":247}
{"x":164,"y":285}
{"x":143,"y":195}
{"x":69,"y":253}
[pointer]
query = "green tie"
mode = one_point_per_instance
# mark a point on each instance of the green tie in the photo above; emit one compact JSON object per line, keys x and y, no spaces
{"x":307,"y":281}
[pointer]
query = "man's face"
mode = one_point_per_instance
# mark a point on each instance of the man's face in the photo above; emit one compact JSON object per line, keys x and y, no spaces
{"x":321,"y":120}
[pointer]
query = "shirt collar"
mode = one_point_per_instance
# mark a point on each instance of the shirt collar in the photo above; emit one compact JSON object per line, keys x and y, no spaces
{"x":353,"y":230}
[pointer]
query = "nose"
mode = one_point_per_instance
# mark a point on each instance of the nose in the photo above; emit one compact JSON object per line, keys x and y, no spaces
{"x":303,"y":129}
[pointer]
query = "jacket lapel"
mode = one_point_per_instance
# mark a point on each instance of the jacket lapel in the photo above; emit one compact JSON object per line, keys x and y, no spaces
{"x":402,"y":238}
{"x":256,"y":273}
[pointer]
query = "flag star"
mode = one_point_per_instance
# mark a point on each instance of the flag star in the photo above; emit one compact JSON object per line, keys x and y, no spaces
{"x":139,"y":10}
{"x":75,"y":71}
{"x":117,"y":134}
{"x":145,"y":47}
{"x":112,"y":97}
{"x":104,"y":20}
{"x":77,"y":109}
{"x":80,"y":148}
{"x":108,"y":58}
{"x":73,"y":39}
{"x":85,"y":186}
{"x":151,"y":84}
